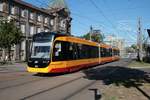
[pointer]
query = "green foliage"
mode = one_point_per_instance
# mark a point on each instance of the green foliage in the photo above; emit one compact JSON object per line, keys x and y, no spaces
{"x":131,"y":49}
{"x":86,"y":36}
{"x":134,"y":46}
{"x":97,"y":37}
{"x":9,"y":34}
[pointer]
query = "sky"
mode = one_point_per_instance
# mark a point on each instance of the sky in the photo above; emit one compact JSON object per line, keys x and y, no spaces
{"x":112,"y":17}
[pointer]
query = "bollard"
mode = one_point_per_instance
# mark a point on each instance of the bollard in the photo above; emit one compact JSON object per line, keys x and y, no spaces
{"x":97,"y":94}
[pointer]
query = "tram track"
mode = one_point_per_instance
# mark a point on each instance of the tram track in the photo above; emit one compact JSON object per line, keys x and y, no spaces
{"x":13,"y":76}
{"x":79,"y":90}
{"x":5,"y":72}
{"x":33,"y":87}
{"x":63,"y":84}
{"x":29,"y":79}
{"x":20,"y":84}
{"x":52,"y":88}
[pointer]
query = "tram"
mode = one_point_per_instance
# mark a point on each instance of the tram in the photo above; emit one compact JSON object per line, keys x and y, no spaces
{"x":56,"y":53}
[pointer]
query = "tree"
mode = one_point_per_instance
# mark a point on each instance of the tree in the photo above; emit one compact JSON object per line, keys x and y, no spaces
{"x":95,"y":36}
{"x":10,"y":35}
{"x":134,"y":46}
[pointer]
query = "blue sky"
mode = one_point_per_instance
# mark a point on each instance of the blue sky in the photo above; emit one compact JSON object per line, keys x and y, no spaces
{"x":118,"y":17}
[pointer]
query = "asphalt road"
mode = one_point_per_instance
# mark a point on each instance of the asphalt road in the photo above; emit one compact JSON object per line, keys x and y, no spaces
{"x":17,"y":84}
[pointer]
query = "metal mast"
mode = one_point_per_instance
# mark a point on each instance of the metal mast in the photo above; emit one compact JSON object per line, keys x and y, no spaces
{"x":139,"y":41}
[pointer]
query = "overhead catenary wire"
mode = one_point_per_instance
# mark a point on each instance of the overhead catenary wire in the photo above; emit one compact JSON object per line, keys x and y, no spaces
{"x":81,"y":16}
{"x":42,"y":3}
{"x":101,"y":13}
{"x":90,"y":19}
{"x":107,"y":19}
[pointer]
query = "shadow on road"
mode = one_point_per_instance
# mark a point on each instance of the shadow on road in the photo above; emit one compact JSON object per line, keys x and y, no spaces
{"x":120,"y":76}
{"x":49,"y":74}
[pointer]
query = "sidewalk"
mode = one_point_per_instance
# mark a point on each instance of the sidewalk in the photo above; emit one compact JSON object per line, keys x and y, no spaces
{"x":13,"y":67}
{"x":138,"y":65}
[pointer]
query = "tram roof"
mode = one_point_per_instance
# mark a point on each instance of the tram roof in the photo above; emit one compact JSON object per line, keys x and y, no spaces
{"x":52,"y":33}
{"x":77,"y":40}
{"x":65,"y":37}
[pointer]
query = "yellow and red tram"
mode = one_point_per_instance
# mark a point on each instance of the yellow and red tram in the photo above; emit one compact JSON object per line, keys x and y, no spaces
{"x":55,"y":53}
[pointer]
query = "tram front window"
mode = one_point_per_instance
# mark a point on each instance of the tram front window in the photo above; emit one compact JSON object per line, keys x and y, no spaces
{"x":41,"y":45}
{"x":40,"y":50}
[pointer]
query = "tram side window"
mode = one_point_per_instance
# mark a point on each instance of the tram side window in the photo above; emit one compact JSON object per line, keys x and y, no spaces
{"x":116,"y":52}
{"x":79,"y":48}
{"x":74,"y":51}
{"x":58,"y":52}
{"x":86,"y":51}
{"x":71,"y":51}
{"x":94,"y":52}
{"x":102,"y":52}
{"x":62,"y":51}
{"x":89,"y":51}
{"x":113,"y":52}
{"x":65,"y":51}
{"x":107,"y":52}
{"x":82,"y":51}
{"x":110,"y":50}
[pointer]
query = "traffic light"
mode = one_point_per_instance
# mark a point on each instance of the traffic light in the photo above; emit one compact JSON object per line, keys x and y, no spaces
{"x":148,"y":31}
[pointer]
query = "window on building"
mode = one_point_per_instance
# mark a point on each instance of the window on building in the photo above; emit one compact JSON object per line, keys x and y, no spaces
{"x":52,"y":22}
{"x":31,"y":15}
{"x":23,"y":13}
{"x":23,"y":45}
{"x":46,"y":20}
{"x":104,"y":52}
{"x":31,"y":30}
{"x":17,"y":11}
{"x":1,"y":6}
{"x":12,"y":9}
{"x":23,"y":28}
{"x":62,"y":24}
{"x":39,"y":18}
{"x":38,"y":29}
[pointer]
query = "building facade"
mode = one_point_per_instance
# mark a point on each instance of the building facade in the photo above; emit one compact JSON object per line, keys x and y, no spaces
{"x":146,"y":48}
{"x":116,"y":42}
{"x":62,"y":17}
{"x":31,"y":20}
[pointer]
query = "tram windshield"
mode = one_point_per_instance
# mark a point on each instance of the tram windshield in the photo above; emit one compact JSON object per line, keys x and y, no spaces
{"x":41,"y":46}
